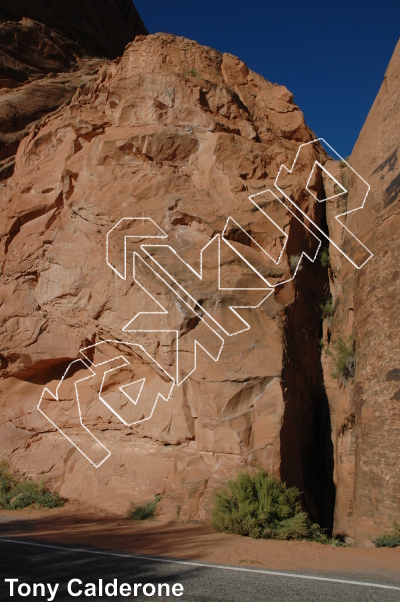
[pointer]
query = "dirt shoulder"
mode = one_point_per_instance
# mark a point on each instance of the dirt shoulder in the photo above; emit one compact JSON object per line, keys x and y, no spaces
{"x":77,"y":525}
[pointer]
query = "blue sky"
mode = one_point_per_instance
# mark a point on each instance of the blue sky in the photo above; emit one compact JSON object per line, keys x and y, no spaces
{"x":331,"y":55}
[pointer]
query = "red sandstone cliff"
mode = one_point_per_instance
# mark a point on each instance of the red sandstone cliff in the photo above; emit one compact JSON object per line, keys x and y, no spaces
{"x":366,"y":413}
{"x":182,"y":134}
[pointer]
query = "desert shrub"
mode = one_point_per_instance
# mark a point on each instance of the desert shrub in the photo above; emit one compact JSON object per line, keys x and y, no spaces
{"x":259,"y":506}
{"x":325,"y":258}
{"x":294,"y":261}
{"x":389,"y":540}
{"x":344,"y":361}
{"x":6,"y":484}
{"x":193,"y":72}
{"x":327,"y":309}
{"x":319,"y":535}
{"x":15,"y":494}
{"x":145,"y":511}
{"x":338,"y":189}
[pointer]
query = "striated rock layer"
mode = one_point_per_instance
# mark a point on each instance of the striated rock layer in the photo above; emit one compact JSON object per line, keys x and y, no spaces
{"x":179,"y":133}
{"x":40,"y":71}
{"x":101,"y":28}
{"x":48,"y":50}
{"x":366,"y":412}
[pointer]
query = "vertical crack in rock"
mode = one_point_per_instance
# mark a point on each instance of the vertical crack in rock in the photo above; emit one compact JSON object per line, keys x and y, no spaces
{"x":306,"y":445}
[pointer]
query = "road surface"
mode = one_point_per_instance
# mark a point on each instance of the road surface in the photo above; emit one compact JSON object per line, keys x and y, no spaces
{"x":40,"y":563}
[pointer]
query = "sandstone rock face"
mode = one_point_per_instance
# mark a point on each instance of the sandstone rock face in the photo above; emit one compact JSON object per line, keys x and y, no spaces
{"x":365,"y":414}
{"x":40,"y":71}
{"x":182,"y":135}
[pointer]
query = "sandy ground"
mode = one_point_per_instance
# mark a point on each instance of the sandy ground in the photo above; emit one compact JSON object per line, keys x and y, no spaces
{"x":77,"y":525}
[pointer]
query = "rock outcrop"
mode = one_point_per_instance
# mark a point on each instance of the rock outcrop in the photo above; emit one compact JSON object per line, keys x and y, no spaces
{"x":178,"y":137}
{"x":183,"y":135}
{"x":366,"y":412}
{"x":40,"y":71}
{"x":46,"y":52}
{"x":101,"y":28}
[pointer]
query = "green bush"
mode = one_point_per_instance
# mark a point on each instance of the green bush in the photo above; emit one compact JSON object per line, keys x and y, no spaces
{"x":344,"y":361}
{"x":6,"y":484}
{"x":145,"y":511}
{"x":294,"y":261}
{"x":259,"y":506}
{"x":325,"y":258}
{"x":389,"y":540}
{"x":193,"y":72}
{"x":327,"y":309}
{"x":339,"y":190}
{"x":15,"y":495}
{"x":320,"y":536}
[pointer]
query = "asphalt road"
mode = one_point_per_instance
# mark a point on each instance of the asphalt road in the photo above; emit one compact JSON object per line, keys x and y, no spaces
{"x":33,"y":562}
